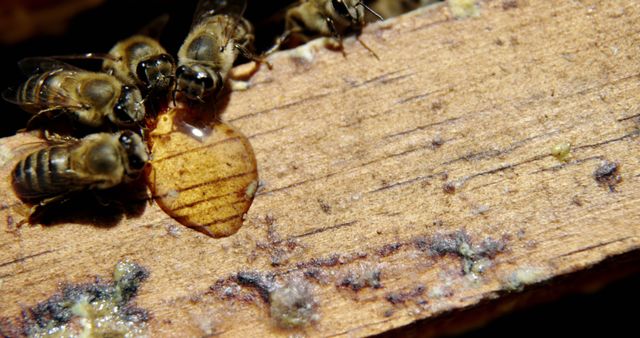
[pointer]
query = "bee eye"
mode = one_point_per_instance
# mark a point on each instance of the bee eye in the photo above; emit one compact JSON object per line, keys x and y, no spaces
{"x":121,"y":109}
{"x":136,"y":162}
{"x":141,"y":71}
{"x":206,"y":81}
{"x":125,"y":139}
{"x":166,"y":58}
{"x":183,"y":72}
{"x":341,"y":8}
{"x":121,"y":113}
{"x":180,"y":70}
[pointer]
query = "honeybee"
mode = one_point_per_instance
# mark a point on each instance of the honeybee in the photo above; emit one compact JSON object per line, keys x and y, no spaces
{"x":218,"y":35}
{"x":323,"y":18}
{"x":90,"y":98}
{"x":141,"y":60}
{"x":97,"y":161}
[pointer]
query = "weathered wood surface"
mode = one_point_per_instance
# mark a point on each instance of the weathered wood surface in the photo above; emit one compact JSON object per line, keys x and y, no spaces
{"x":370,"y":164}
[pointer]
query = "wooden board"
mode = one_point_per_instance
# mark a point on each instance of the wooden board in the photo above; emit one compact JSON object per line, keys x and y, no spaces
{"x":395,"y":189}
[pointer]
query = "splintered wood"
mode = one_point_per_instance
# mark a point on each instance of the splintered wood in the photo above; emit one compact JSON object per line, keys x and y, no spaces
{"x":477,"y":157}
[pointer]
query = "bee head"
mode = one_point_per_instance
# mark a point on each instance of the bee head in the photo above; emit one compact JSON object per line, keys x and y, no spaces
{"x":351,"y":10}
{"x":136,"y":155}
{"x":197,"y":82}
{"x":129,"y":109}
{"x":156,"y":72}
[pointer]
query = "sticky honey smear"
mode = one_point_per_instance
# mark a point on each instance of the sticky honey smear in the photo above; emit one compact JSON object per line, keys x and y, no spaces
{"x":204,"y":174}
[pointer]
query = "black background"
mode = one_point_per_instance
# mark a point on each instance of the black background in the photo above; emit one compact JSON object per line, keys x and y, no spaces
{"x":611,"y":310}
{"x":98,"y":29}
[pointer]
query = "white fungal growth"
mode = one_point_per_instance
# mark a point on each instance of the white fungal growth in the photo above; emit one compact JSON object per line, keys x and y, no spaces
{"x":464,"y":8}
{"x":6,"y":155}
{"x":518,"y":279}
{"x":293,"y":304}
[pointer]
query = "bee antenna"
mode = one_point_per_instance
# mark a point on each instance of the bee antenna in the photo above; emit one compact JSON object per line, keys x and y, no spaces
{"x":370,"y":10}
{"x":144,"y":99}
{"x":174,"y":93}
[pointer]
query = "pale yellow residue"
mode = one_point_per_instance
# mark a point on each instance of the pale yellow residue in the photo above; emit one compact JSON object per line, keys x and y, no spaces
{"x":561,"y":151}
{"x":243,"y":71}
{"x":207,"y":321}
{"x":527,"y":275}
{"x":307,"y":51}
{"x":239,"y":85}
{"x":250,"y":192}
{"x":171,"y":197}
{"x":6,"y":155}
{"x":102,"y":318}
{"x":464,"y":8}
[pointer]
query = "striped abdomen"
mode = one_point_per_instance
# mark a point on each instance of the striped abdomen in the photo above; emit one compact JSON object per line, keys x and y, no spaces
{"x":43,"y":91}
{"x":43,"y":174}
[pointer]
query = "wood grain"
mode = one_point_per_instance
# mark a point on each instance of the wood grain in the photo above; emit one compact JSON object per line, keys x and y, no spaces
{"x":400,"y":188}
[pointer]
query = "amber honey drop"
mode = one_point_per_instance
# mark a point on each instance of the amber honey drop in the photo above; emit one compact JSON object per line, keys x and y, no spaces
{"x":204,"y":177}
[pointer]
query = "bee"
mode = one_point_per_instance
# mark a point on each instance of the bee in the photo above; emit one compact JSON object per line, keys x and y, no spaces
{"x":97,"y":161}
{"x":218,"y":35}
{"x":311,"y":18}
{"x":141,"y":61}
{"x":90,"y":98}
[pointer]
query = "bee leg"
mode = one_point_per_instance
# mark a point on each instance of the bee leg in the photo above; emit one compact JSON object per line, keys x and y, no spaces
{"x":107,"y":202}
{"x":252,"y":56}
{"x":334,"y":33}
{"x":39,"y":115}
{"x":22,"y":210}
{"x":36,"y":212}
{"x":280,"y":40}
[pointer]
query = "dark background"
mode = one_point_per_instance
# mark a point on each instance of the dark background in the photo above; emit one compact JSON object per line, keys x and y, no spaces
{"x":99,"y":28}
{"x":610,"y":310}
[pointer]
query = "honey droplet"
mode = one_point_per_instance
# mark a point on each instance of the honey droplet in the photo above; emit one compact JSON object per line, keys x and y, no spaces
{"x":204,"y":177}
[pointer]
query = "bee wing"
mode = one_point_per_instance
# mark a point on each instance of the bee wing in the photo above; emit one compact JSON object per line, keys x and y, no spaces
{"x":11,"y":95}
{"x":208,"y":8}
{"x":154,"y":28}
{"x":63,"y":99}
{"x":86,"y":56}
{"x":36,"y":65}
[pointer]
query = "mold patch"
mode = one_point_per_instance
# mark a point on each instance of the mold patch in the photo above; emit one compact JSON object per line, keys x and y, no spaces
{"x":476,"y":258}
{"x":280,"y":251}
{"x":396,"y":298}
{"x":363,"y":276}
{"x":92,"y":310}
{"x":293,"y":304}
{"x":292,"y":301}
{"x":608,"y":175}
